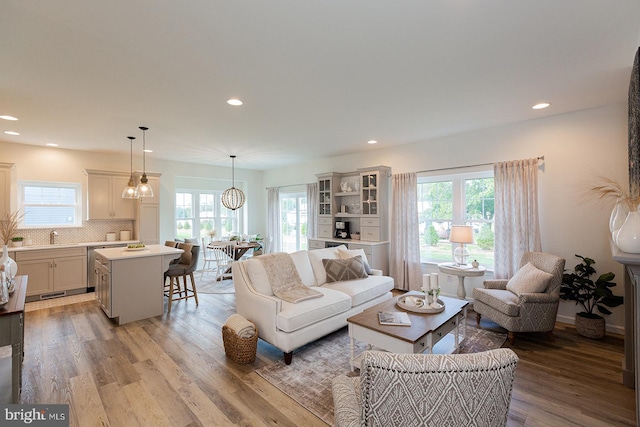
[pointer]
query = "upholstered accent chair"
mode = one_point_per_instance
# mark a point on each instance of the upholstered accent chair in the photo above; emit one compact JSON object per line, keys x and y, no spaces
{"x":427,"y":390}
{"x":528,"y":301}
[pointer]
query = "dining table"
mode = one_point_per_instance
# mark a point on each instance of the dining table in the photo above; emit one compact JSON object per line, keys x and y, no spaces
{"x":239,"y":249}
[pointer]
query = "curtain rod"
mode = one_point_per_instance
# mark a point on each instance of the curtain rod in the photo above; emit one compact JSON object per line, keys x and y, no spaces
{"x":467,"y":166}
{"x":285,"y":186}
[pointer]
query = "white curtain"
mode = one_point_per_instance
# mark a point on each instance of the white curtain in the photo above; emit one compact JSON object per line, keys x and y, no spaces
{"x":312,"y":210}
{"x":274,"y":233}
{"x":517,"y":228}
{"x":405,"y":235}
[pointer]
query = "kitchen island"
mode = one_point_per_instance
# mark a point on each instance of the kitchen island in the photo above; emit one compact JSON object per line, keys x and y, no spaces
{"x":130,"y":283}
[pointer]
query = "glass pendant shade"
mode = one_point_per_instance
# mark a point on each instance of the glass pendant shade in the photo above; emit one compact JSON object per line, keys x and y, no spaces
{"x":233,"y":198}
{"x":144,"y":189}
{"x":131,"y":191}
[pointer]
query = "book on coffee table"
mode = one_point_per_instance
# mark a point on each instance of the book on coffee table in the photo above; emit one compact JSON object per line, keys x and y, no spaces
{"x":397,"y":318}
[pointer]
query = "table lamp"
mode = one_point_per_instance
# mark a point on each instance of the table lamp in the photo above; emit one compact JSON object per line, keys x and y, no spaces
{"x":462,"y":234}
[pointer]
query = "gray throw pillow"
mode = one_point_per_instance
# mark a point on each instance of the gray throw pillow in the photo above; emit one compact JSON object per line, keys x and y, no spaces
{"x":344,"y":269}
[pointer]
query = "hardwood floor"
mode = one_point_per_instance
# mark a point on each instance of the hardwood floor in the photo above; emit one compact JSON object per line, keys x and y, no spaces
{"x":172,"y":371}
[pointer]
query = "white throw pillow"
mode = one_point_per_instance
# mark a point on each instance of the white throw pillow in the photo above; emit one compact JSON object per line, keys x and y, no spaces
{"x":303,"y":265}
{"x":350,"y":253}
{"x":258,"y":276}
{"x":529,"y":279}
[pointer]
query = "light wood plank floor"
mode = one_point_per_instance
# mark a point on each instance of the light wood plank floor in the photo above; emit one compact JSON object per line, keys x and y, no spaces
{"x":173,"y":372}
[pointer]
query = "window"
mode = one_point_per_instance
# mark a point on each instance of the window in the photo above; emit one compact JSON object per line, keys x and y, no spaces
{"x":50,"y":204}
{"x":466,"y":198}
{"x":200,"y":212}
{"x":293,"y":208}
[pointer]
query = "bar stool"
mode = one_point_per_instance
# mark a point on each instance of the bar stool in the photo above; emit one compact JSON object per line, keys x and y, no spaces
{"x":182,"y":269}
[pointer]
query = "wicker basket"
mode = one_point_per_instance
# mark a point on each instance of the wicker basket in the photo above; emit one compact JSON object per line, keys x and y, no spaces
{"x":590,"y":328}
{"x":240,"y":350}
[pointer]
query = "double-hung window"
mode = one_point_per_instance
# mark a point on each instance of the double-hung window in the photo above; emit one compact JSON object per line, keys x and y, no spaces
{"x":199,"y":212}
{"x":50,"y":204}
{"x":463,"y":198}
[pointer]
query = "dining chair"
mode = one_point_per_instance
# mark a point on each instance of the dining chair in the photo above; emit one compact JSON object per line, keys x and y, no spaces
{"x":208,"y":259}
{"x":224,"y":254}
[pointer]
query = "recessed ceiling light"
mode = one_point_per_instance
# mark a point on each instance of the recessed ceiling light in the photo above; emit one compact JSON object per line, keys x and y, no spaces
{"x":10,"y":132}
{"x":541,"y":105}
{"x":235,"y":102}
{"x":51,"y":144}
{"x":372,"y":141}
{"x":8,"y":118}
{"x":148,"y":151}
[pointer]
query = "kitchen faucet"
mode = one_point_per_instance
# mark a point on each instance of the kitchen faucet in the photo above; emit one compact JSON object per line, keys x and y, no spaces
{"x":52,"y":237}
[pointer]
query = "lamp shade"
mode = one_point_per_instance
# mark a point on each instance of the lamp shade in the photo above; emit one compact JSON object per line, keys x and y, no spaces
{"x":461,"y":234}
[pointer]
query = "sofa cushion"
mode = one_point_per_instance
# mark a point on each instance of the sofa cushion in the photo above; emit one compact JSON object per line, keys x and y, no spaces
{"x":349,"y":253}
{"x":344,"y":269}
{"x":316,"y":256}
{"x":529,"y":279}
{"x":362,"y":290}
{"x":258,"y":276}
{"x":502,"y":300}
{"x":296,"y":316}
{"x":303,"y":265}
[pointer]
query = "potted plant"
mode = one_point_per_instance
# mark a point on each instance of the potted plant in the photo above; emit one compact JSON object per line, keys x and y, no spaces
{"x":577,"y":286}
{"x":16,"y":241}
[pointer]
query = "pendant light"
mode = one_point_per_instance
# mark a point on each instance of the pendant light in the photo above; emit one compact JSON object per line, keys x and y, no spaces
{"x":233,"y":198}
{"x":144,"y":189}
{"x":131,"y":191}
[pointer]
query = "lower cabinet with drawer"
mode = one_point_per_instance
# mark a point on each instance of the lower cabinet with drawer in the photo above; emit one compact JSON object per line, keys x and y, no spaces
{"x":377,"y":254}
{"x":53,"y":272}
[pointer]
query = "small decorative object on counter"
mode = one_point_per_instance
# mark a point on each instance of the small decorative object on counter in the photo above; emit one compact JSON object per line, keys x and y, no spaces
{"x":16,"y":242}
{"x":475,"y":263}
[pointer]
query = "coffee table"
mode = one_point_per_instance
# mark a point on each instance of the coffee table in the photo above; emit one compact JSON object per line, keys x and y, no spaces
{"x":425,"y":332}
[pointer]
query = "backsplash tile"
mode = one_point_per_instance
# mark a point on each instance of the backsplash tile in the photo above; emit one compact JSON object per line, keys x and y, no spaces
{"x":91,"y":231}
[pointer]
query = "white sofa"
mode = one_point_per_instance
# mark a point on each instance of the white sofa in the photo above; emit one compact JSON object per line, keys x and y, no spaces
{"x":288,"y":326}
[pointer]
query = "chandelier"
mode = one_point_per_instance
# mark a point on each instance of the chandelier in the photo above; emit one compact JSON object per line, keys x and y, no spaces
{"x":233,"y":198}
{"x":131,"y":191}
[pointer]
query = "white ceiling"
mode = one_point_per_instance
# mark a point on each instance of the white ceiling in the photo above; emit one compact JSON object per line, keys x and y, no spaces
{"x":318,"y":78}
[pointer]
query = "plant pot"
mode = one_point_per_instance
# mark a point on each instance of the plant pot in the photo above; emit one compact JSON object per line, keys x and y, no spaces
{"x":590,"y":327}
{"x":17,"y":244}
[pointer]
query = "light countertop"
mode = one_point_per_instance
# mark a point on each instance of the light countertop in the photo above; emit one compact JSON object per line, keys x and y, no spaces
{"x":70,"y":245}
{"x":148,"y":251}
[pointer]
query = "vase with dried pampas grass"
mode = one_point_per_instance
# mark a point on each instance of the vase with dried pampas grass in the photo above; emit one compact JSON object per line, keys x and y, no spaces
{"x":624,"y":222}
{"x":8,"y":227}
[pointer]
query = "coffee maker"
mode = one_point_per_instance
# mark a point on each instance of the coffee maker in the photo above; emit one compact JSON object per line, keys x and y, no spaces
{"x":342,"y":230}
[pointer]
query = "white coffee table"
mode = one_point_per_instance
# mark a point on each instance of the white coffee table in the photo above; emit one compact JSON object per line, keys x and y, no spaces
{"x":461,"y":272}
{"x":425,"y":332}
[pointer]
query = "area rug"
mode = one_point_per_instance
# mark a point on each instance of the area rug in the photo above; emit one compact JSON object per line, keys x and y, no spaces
{"x":209,"y":285}
{"x":308,"y":379}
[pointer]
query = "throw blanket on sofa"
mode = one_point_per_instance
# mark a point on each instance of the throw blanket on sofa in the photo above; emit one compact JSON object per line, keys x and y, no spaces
{"x":284,"y":279}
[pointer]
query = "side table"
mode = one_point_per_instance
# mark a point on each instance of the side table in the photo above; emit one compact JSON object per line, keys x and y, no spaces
{"x":462,"y":272}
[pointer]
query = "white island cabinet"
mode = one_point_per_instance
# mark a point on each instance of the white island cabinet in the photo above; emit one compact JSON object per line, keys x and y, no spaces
{"x":130,"y":283}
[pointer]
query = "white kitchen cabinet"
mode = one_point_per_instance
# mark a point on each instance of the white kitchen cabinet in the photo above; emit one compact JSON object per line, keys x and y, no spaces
{"x":147,"y":224}
{"x":7,"y":172}
{"x":53,"y":271}
{"x":104,"y":196}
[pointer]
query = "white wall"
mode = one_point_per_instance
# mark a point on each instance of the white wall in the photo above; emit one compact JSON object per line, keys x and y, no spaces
{"x":577,"y":148}
{"x":55,"y":164}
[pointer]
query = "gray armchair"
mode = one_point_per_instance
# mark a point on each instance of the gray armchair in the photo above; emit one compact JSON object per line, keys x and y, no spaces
{"x":427,"y":390}
{"x":529,"y":301}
